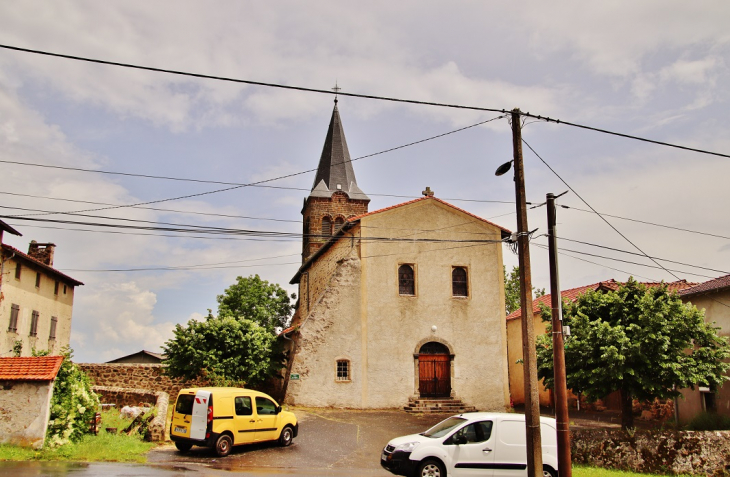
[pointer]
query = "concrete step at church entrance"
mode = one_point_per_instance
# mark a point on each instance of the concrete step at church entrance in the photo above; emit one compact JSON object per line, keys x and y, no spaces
{"x":445,"y":405}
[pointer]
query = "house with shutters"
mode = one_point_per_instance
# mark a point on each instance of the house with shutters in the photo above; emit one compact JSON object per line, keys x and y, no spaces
{"x":398,"y":307}
{"x":36,"y":300}
{"x":713,"y":297}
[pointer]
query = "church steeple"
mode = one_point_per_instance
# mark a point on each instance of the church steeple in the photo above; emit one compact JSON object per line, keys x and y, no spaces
{"x":335,"y":172}
{"x":335,"y":195}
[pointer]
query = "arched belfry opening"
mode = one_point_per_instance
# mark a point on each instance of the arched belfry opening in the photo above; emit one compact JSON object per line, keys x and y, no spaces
{"x":434,"y":370}
{"x":334,"y":194}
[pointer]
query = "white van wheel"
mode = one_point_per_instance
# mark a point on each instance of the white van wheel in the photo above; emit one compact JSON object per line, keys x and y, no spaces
{"x":431,"y":468}
{"x":548,"y":471}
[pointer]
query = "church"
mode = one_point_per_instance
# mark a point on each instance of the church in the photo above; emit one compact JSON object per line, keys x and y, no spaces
{"x":398,"y":307}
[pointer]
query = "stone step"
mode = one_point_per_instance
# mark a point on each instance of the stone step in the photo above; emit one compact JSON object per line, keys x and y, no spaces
{"x":437,"y":405}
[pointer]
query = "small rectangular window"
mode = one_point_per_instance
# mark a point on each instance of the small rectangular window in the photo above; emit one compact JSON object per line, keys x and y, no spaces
{"x":64,"y":289}
{"x":14,"y":311}
{"x":55,"y":288}
{"x":343,"y":370}
{"x":459,"y":283}
{"x":406,"y":280}
{"x":52,"y":334}
{"x":34,"y":323}
{"x":243,"y":406}
{"x":38,"y":279}
{"x":18,"y":268}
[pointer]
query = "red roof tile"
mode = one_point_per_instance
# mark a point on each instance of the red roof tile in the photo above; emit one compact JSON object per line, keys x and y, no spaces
{"x":37,"y":368}
{"x":607,"y":285}
{"x":709,"y":286}
{"x":25,"y":256}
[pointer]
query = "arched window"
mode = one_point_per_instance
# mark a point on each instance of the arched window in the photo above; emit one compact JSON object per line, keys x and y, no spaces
{"x":338,"y":222}
{"x":326,"y":225}
{"x":459,"y":284}
{"x":406,"y":280}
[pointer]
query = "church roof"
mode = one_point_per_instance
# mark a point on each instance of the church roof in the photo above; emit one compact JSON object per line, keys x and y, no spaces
{"x":335,"y":172}
{"x":352,"y":221}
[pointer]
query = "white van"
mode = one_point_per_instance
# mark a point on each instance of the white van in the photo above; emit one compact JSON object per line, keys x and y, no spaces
{"x":474,"y":443}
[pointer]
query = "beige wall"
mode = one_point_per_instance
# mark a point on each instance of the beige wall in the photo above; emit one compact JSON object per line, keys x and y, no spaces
{"x":716,"y":310}
{"x":516,"y":369}
{"x":24,"y":412}
{"x":24,"y":293}
{"x":360,"y":316}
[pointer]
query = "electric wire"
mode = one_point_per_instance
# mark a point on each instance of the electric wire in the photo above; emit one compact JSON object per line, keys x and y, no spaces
{"x":355,"y":95}
{"x":188,"y":196}
{"x":596,"y":212}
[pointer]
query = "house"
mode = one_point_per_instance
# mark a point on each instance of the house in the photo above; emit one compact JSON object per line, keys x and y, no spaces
{"x":36,"y":300}
{"x":514,"y":335}
{"x":26,"y":386}
{"x":713,"y":297}
{"x":140,"y":357}
{"x":403,"y":303}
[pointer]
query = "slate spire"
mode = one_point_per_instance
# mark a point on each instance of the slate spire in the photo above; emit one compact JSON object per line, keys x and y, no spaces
{"x":335,"y":172}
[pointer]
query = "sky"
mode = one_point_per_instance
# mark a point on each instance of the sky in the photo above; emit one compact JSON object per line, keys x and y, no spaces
{"x":653,"y":69}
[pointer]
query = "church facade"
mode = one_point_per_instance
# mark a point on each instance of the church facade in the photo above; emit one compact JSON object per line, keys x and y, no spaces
{"x":403,"y":302}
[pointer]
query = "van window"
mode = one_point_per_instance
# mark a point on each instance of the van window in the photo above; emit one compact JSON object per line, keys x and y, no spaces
{"x":444,"y":427}
{"x":243,"y":406}
{"x":265,"y":406}
{"x":185,"y":404}
{"x":476,"y":432}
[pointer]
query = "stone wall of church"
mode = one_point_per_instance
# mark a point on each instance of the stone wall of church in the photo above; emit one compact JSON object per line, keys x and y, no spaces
{"x":330,"y":332}
{"x":318,"y":207}
{"x":316,"y":279}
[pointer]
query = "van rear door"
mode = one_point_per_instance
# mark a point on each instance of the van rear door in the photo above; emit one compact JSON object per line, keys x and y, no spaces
{"x":199,"y":424}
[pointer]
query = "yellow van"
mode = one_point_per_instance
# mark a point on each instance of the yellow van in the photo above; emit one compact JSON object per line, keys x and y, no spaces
{"x":220,"y":418}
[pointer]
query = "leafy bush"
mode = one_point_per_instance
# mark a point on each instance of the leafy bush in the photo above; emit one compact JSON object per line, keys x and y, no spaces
{"x":73,"y":404}
{"x":709,"y":421}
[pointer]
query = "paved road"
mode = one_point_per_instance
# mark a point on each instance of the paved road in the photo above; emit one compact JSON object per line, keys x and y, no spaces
{"x":330,"y":443}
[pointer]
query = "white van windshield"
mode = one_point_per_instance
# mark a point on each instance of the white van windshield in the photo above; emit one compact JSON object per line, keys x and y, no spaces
{"x":444,"y":427}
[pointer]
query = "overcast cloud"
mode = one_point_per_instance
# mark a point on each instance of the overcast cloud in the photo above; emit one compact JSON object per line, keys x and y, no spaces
{"x":657,"y":69}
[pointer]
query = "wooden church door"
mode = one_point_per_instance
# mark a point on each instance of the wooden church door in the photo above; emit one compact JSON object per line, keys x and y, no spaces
{"x":434,"y":370}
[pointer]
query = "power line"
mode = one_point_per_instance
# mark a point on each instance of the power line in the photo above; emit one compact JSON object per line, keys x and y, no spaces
{"x":594,"y":211}
{"x":355,"y":95}
{"x":641,"y":255}
{"x":708,"y":234}
{"x":238,"y":186}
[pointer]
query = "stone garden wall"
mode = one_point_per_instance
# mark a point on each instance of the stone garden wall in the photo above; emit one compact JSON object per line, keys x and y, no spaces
{"x":134,"y":397}
{"x":676,"y":452}
{"x":136,"y":376}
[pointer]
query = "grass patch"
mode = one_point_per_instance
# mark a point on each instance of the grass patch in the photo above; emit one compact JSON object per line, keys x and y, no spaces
{"x":586,"y":471}
{"x":105,"y":447}
{"x":709,"y":421}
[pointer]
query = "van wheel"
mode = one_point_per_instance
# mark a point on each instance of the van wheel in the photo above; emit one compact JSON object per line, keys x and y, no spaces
{"x":223,"y":445}
{"x":286,"y":437}
{"x":548,"y":471}
{"x":183,"y":446}
{"x":431,"y":468}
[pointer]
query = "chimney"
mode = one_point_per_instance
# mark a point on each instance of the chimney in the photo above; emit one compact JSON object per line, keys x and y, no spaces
{"x":43,"y":252}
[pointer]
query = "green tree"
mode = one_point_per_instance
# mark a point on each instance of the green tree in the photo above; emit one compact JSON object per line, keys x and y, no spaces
{"x":641,"y":341}
{"x":257,"y":300}
{"x":73,"y":403}
{"x":512,"y":289}
{"x":226,"y":351}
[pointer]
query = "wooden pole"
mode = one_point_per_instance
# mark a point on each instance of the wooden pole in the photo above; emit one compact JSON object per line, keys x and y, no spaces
{"x":561,"y":388}
{"x":529,"y":353}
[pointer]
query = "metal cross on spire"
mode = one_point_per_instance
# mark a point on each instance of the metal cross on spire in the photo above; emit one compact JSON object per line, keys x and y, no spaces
{"x":336,"y":89}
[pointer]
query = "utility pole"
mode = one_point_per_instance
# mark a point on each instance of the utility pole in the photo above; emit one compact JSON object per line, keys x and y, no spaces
{"x":529,"y":354}
{"x":561,"y":388}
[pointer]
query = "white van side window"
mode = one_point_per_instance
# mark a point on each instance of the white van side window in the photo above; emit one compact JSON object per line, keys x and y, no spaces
{"x":243,"y":406}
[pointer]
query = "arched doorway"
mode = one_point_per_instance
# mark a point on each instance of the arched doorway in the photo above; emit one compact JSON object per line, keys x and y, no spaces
{"x":434,"y":370}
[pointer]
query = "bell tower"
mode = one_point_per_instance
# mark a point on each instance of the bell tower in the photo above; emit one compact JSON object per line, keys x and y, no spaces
{"x":335,"y":196}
